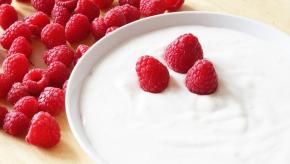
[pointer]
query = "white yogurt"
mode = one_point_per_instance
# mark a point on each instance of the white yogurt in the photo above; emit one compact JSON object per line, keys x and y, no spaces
{"x":247,"y":121}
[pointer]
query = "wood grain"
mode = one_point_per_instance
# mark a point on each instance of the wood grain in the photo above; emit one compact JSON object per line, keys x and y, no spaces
{"x":15,"y":150}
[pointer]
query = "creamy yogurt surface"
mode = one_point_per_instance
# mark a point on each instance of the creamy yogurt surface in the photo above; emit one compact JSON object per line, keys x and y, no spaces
{"x":247,"y":121}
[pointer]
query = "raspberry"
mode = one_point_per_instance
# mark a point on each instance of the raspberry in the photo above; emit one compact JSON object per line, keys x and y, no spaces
{"x":69,"y":4}
{"x":88,"y":8}
{"x":20,"y":45}
{"x":3,"y":112}
{"x":153,"y":76}
{"x":131,"y":13}
{"x":183,"y":52}
{"x":36,"y":80}
{"x":5,"y":85}
{"x":77,"y":28}
{"x":16,"y":66}
{"x":152,"y":7}
{"x":44,"y":131}
{"x":60,"y":53}
{"x":104,"y":4}
{"x":115,"y":17}
{"x":58,"y":73}
{"x":60,"y":14}
{"x":135,"y":3}
{"x":27,"y":105}
{"x":111,"y":29}
{"x":17,"y":29}
{"x":99,"y":28}
{"x":17,"y":91}
{"x":173,"y":5}
{"x":8,"y":16}
{"x":81,"y":50}
{"x":51,"y":100}
{"x":37,"y":22}
{"x":43,"y":5}
{"x":201,"y":78}
{"x":53,"y":35}
{"x":15,"y":123}
{"x":5,"y":2}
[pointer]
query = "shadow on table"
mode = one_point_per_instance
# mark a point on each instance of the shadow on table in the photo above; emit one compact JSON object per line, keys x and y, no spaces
{"x":187,"y":8}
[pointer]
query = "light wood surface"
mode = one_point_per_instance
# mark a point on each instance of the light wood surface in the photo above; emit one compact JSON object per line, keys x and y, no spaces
{"x":15,"y":150}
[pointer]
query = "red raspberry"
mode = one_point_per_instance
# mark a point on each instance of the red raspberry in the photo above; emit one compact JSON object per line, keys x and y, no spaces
{"x":60,"y":53}
{"x":27,"y":105}
{"x":37,"y":22}
{"x":20,"y":45}
{"x":17,"y":91}
{"x":5,"y":2}
{"x":44,"y":131}
{"x":115,"y":17}
{"x":131,"y":13}
{"x":51,"y":100}
{"x":53,"y":35}
{"x":173,"y":5}
{"x":152,"y":7}
{"x":60,"y":14}
{"x":88,"y":8}
{"x":5,"y":85}
{"x":153,"y":76}
{"x":3,"y":112}
{"x":99,"y":28}
{"x":77,"y":28}
{"x":8,"y":15}
{"x":36,"y":80}
{"x":201,"y":78}
{"x":69,"y":4}
{"x":43,"y":5}
{"x":183,"y":52}
{"x":17,"y":29}
{"x":104,"y":4}
{"x":16,"y":66}
{"x":15,"y":123}
{"x":135,"y":3}
{"x":58,"y":73}
{"x":111,"y":29}
{"x":81,"y":50}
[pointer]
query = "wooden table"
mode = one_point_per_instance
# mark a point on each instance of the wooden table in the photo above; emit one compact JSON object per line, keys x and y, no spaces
{"x":15,"y":150}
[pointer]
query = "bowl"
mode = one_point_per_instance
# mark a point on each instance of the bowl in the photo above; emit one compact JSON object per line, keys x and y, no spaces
{"x":145,"y":25}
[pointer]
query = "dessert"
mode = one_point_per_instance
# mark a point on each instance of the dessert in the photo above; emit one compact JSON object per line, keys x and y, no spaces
{"x":245,"y":121}
{"x":61,"y":26}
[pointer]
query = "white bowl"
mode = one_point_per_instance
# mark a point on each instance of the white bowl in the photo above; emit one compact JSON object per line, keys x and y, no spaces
{"x":143,"y":26}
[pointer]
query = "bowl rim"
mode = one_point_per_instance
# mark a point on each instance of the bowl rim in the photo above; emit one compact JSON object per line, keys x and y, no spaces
{"x":279,"y":37}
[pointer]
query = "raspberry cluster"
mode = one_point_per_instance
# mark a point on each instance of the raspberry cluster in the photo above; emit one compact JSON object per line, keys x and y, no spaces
{"x":183,"y":55}
{"x":37,"y":94}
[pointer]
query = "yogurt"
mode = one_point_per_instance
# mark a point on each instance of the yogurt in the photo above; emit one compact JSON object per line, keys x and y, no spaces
{"x":247,"y":121}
